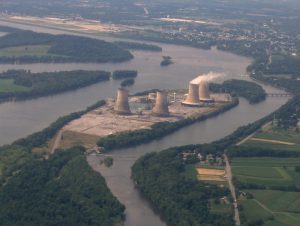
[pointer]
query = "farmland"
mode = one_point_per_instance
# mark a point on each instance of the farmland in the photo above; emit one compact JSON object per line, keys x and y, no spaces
{"x":270,"y":205}
{"x":279,"y":139}
{"x":273,"y":207}
{"x":267,"y":171}
{"x":8,"y":85}
{"x":26,"y":50}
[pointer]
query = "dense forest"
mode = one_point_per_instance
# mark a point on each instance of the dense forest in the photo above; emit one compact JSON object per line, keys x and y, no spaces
{"x":42,"y":84}
{"x":179,"y":200}
{"x":62,"y":190}
{"x":127,"y":82}
{"x":138,"y":46}
{"x":62,"y":48}
{"x":124,"y":74}
{"x":167,"y":60}
{"x":251,"y":91}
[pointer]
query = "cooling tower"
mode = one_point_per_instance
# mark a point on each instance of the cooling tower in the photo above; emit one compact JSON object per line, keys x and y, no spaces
{"x":161,"y":105}
{"x":193,"y":95}
{"x":204,"y":92}
{"x":122,"y":104}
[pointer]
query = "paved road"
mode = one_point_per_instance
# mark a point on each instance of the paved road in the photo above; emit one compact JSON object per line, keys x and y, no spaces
{"x":232,"y":190}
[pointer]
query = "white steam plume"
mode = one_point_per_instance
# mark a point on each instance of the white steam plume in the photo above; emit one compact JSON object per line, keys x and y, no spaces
{"x":207,"y":77}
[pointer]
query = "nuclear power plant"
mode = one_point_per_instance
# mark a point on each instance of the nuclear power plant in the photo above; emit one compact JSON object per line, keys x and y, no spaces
{"x":145,"y":109}
{"x":122,"y":103}
{"x":161,"y":105}
{"x":204,"y":94}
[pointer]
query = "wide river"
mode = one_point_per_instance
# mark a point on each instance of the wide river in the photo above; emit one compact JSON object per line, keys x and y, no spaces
{"x":18,"y":119}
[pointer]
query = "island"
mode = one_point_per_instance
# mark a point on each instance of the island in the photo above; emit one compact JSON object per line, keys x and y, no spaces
{"x":167,"y":60}
{"x":25,"y":47}
{"x":22,"y":84}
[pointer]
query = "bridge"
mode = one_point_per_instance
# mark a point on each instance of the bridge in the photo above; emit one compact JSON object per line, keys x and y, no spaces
{"x":279,"y":95}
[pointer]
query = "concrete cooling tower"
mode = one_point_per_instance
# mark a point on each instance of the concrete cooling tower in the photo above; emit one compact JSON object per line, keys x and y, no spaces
{"x":204,"y":92}
{"x":122,"y":104}
{"x":161,"y":105}
{"x":193,"y":95}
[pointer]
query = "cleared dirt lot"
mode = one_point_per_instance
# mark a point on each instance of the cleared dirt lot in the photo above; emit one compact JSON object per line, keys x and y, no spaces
{"x":211,"y":174}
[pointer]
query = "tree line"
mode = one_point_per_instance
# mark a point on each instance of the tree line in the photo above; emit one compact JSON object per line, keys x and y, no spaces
{"x":45,"y":83}
{"x":138,"y":46}
{"x":251,"y":91}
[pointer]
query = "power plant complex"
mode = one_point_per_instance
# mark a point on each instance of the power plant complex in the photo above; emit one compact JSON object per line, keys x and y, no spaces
{"x":198,"y":96}
{"x":127,"y":112}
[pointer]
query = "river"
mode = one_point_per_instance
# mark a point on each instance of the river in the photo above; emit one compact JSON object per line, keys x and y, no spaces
{"x":18,"y":119}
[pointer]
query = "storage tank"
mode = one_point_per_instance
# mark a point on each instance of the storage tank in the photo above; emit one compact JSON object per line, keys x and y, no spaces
{"x":161,"y":105}
{"x":122,"y":104}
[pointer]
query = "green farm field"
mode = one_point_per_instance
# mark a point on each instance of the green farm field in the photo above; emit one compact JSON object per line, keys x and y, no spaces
{"x":267,"y":171}
{"x":281,"y":135}
{"x":28,"y":50}
{"x":283,"y":206}
{"x":7,"y":85}
{"x":252,"y":143}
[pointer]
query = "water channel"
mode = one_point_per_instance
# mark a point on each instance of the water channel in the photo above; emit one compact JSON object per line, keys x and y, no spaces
{"x":18,"y":119}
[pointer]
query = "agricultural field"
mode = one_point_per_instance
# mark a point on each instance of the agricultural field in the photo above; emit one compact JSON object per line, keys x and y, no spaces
{"x":274,"y":207}
{"x":279,"y":139}
{"x":7,"y":85}
{"x":26,"y":50}
{"x":267,"y":171}
{"x":253,"y":211}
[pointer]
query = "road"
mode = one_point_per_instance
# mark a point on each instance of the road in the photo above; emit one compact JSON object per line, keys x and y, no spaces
{"x":56,"y":142}
{"x":232,"y":190}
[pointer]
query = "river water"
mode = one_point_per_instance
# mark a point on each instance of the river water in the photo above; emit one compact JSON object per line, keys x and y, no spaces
{"x":18,"y":119}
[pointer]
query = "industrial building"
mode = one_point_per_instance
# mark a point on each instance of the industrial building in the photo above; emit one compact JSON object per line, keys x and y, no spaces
{"x":122,"y":103}
{"x":161,"y":105}
{"x":204,"y":94}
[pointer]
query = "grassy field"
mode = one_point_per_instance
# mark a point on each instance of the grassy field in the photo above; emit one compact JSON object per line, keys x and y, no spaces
{"x":252,"y":143}
{"x":267,"y":171}
{"x":268,"y":133}
{"x":70,"y":139}
{"x":283,"y":206}
{"x":278,"y":201}
{"x":7,"y":85}
{"x":253,"y":211}
{"x":28,"y":50}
